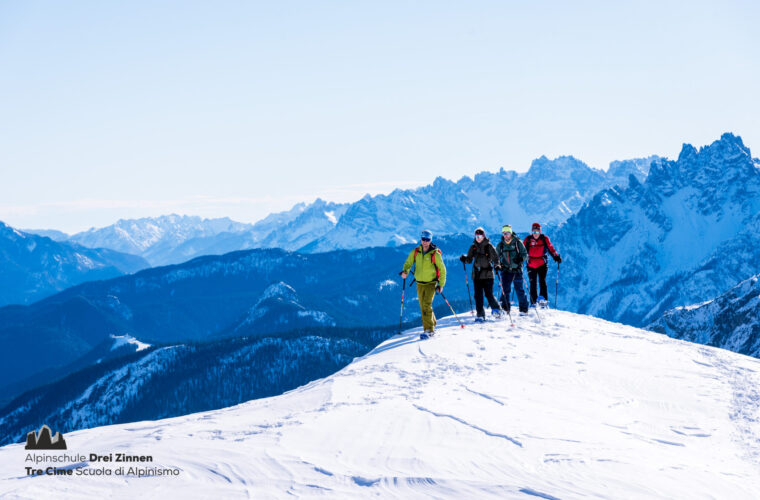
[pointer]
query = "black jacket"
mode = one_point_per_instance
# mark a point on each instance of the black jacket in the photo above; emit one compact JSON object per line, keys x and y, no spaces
{"x":512,"y":254}
{"x":483,"y":257}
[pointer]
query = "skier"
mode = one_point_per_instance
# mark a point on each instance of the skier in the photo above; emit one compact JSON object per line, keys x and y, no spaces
{"x":512,"y":253}
{"x":430,"y":275}
{"x":539,"y":246}
{"x":483,"y":256}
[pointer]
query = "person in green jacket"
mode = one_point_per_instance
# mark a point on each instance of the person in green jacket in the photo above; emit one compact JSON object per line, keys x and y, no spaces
{"x":430,"y":274}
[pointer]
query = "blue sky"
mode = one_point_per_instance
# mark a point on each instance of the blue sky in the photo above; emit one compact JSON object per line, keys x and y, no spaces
{"x":131,"y":109}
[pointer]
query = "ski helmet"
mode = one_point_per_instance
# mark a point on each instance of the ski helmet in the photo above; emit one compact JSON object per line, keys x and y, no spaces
{"x":426,"y":235}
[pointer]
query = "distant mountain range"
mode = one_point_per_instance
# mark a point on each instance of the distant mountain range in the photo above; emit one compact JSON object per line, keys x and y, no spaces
{"x":690,"y":231}
{"x":33,"y":267}
{"x":246,"y":293}
{"x":670,"y":234}
{"x":550,"y":191}
{"x":730,"y":321}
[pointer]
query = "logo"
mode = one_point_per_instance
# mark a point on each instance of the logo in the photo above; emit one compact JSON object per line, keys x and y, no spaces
{"x":43,"y":440}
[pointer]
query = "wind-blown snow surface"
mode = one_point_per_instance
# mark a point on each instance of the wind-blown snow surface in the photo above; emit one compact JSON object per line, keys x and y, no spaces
{"x":575,"y":407}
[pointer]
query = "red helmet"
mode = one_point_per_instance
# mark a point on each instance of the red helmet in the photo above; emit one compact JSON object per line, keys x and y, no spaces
{"x":536,"y":225}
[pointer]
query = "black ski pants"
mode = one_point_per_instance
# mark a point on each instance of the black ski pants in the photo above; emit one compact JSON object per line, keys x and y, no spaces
{"x":484,"y":286}
{"x":539,"y":272}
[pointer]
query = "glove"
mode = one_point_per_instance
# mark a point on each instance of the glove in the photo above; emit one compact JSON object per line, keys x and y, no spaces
{"x":557,"y":258}
{"x":438,"y":288}
{"x":463,"y":258}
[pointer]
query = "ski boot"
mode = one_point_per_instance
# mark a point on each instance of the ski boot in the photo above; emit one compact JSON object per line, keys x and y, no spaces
{"x":480,"y":319}
{"x":496,"y":313}
{"x":542,"y":302}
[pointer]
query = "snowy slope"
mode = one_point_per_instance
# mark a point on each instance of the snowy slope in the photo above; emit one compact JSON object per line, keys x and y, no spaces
{"x":730,"y":321}
{"x":574,"y":408}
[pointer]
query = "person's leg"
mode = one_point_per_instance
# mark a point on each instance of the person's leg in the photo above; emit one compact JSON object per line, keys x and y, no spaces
{"x":522,"y":299}
{"x":488,"y":289}
{"x":425,"y":295}
{"x":533,"y":291}
{"x":506,"y":279}
{"x":542,"y":281}
{"x":479,"y":298}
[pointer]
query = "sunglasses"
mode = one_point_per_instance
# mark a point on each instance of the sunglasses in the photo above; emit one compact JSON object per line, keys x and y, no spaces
{"x":506,"y":232}
{"x":478,"y":235}
{"x":536,"y":231}
{"x":425,"y":239}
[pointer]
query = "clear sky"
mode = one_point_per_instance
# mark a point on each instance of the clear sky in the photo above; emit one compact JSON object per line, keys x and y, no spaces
{"x":130,"y":109}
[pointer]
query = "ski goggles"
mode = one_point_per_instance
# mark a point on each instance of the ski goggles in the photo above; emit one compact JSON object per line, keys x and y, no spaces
{"x":479,"y":236}
{"x":536,"y":231}
{"x":424,"y":239}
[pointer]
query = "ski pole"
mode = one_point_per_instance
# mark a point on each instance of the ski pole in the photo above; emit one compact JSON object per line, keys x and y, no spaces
{"x":509,"y":313}
{"x":469,"y":296}
{"x":452,"y":309}
{"x":556,"y":288}
{"x":401,"y":316}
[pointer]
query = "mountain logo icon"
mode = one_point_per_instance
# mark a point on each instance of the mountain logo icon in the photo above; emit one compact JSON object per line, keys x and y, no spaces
{"x":44,"y":440}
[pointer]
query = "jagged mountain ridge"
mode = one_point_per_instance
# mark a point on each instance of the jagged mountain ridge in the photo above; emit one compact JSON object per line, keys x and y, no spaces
{"x":550,"y":191}
{"x":154,"y":237}
{"x":688,"y":232}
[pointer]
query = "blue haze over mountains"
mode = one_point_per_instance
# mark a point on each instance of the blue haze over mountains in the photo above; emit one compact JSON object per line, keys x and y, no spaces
{"x":633,"y":249}
{"x":550,"y":191}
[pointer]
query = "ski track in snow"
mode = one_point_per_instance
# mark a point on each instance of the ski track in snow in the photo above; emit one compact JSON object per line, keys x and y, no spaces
{"x":574,"y":407}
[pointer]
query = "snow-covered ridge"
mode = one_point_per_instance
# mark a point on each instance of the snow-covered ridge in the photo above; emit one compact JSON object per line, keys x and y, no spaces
{"x":730,"y":321}
{"x":686,"y":234}
{"x":575,"y":407}
{"x":550,"y":191}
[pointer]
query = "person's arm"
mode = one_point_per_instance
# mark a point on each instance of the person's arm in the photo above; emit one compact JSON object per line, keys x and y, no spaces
{"x":522,"y":251}
{"x":500,"y":253}
{"x":408,"y":264}
{"x":470,"y":254}
{"x":441,"y":269}
{"x":552,"y":251}
{"x":494,"y":256}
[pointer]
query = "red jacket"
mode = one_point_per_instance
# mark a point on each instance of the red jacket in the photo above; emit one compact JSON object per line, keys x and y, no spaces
{"x":537,"y":250}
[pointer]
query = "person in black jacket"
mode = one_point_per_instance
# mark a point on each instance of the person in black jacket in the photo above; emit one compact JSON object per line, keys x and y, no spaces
{"x":512,"y":253}
{"x":484,"y":260}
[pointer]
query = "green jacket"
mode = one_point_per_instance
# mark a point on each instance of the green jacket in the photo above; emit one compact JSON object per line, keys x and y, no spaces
{"x":424,"y":270}
{"x":512,"y":254}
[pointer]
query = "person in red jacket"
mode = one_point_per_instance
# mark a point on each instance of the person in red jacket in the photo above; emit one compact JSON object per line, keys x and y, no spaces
{"x":538,"y":246}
